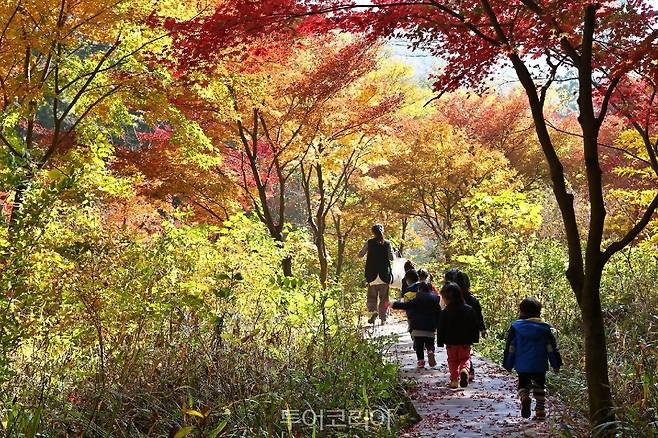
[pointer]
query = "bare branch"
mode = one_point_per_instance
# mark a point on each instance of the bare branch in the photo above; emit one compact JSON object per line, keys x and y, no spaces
{"x":606,"y":100}
{"x":633,"y":232}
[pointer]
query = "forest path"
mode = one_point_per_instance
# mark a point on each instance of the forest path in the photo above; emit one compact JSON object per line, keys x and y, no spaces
{"x":488,"y":407}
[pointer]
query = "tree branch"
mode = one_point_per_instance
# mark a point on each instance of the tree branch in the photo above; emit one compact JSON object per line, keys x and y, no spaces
{"x":633,"y":232}
{"x":606,"y":100}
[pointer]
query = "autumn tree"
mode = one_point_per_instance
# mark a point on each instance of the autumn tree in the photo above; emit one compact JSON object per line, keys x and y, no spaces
{"x":435,"y":171}
{"x":269,"y":121}
{"x":630,"y":184}
{"x":499,"y":121}
{"x":258,"y":122}
{"x":239,"y":75}
{"x":71,"y":79}
{"x":175,"y":174}
{"x":352,"y":118}
{"x":595,"y":46}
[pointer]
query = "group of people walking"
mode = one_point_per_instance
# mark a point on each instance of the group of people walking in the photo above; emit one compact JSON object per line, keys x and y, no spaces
{"x":452,"y":317}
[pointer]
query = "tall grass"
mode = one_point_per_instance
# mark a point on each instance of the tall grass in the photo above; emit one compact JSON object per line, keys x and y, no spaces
{"x":187,"y":333}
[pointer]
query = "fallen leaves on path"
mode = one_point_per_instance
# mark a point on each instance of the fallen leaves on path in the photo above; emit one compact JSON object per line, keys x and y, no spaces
{"x":488,"y":407}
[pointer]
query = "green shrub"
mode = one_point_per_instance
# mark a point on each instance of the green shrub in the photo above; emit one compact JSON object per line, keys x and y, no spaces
{"x":190,"y":331}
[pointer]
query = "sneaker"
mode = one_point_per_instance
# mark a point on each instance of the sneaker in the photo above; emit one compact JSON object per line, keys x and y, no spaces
{"x":471,"y":376}
{"x":420,"y":364}
{"x":539,"y":415}
{"x":525,"y":406}
{"x":454,"y":384}
{"x":431,"y":359}
{"x":373,"y":317}
{"x":463,"y":378}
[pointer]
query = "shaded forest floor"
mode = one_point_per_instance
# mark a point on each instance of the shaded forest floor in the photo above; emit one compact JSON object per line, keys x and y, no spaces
{"x":488,"y":407}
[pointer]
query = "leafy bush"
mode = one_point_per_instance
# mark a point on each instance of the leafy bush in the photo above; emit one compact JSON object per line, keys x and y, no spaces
{"x":188,"y":332}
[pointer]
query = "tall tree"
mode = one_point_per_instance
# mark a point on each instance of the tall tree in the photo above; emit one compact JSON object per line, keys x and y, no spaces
{"x":597,"y":45}
{"x":290,"y":114}
{"x":257,"y":125}
{"x":71,"y":76}
{"x":433,"y":174}
{"x":351,"y":120}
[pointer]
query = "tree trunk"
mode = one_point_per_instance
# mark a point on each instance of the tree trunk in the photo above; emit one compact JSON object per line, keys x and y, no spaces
{"x":341,"y":243}
{"x":585,"y":281}
{"x":286,"y":265}
{"x":319,"y":228}
{"x":601,"y":406}
{"x":447,"y":236}
{"x":317,"y":216}
{"x":340,"y":256}
{"x":262,"y":208}
{"x":405,"y":224}
{"x":324,"y":262}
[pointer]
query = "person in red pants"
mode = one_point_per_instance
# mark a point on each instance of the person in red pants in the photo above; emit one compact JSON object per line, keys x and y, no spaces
{"x":458,"y":329}
{"x":464,"y":283}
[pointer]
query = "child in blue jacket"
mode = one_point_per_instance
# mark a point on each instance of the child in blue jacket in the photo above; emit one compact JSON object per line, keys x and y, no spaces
{"x":530,"y":347}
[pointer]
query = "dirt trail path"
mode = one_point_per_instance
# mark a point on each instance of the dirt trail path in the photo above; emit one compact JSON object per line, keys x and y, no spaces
{"x":487,"y":408}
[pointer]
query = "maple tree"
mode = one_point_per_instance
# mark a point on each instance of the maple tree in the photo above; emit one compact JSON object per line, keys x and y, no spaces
{"x":271,"y":121}
{"x":174,"y":176}
{"x":598,"y":44}
{"x":500,"y":122}
{"x":71,"y":75}
{"x":258,"y":130}
{"x":343,"y":141}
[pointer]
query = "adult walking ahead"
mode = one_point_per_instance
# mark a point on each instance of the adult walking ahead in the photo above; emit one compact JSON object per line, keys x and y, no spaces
{"x":378,"y":273}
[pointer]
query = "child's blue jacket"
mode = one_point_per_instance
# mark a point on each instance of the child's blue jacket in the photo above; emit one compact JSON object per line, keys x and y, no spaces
{"x":530,"y":346}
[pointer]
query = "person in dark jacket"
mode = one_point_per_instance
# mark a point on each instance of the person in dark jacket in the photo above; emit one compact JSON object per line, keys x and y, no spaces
{"x":458,"y":330}
{"x":464,"y":282}
{"x":409,"y":289}
{"x":530,"y":347}
{"x":423,"y":312}
{"x":378,"y":273}
{"x":408,"y":266}
{"x":425,"y":277}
